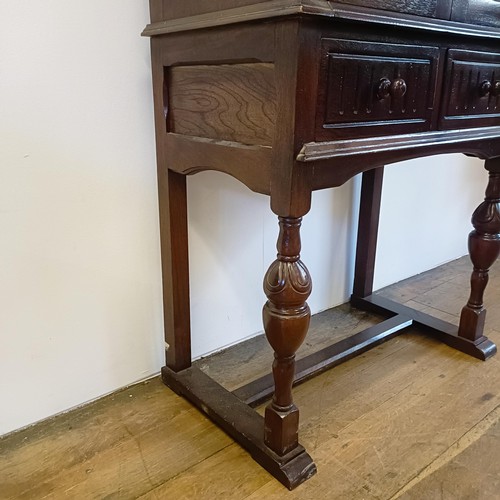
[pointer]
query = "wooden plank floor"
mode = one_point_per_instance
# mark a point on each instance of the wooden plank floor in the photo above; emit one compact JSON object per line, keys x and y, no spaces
{"x":410,"y":419}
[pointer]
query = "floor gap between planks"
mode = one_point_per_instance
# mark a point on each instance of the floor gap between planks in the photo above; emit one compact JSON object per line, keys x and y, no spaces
{"x":410,"y":419}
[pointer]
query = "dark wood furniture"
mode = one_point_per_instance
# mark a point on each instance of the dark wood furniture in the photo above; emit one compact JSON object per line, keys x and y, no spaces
{"x":291,"y":96}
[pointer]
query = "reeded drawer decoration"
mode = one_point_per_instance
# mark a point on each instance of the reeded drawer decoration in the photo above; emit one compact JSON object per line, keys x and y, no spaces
{"x":472,"y":90}
{"x":375,"y":88}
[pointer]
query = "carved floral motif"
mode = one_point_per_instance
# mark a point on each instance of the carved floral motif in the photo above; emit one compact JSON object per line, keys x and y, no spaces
{"x":286,"y":315}
{"x":287,"y":284}
{"x":484,"y":249}
{"x":486,"y":218}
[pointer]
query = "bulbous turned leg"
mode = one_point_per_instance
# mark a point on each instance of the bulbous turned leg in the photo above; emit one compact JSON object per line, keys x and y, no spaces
{"x":286,"y":315}
{"x":484,"y":249}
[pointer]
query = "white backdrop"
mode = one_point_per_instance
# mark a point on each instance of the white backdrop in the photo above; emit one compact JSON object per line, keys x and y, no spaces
{"x":80,"y":288}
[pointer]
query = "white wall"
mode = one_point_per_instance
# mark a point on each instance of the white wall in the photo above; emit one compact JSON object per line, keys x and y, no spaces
{"x":79,"y":284}
{"x":80,"y":292}
{"x":229,"y":257}
{"x":434,"y":199}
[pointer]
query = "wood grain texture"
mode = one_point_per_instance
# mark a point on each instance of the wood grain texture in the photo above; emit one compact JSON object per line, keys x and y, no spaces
{"x":249,"y":164}
{"x":173,"y":10}
{"x":286,"y":315}
{"x":368,"y":221}
{"x":240,"y":422}
{"x":332,"y":325}
{"x":175,"y":268}
{"x":387,"y":64}
{"x":261,"y":389}
{"x":467,"y":103}
{"x":484,"y":249}
{"x":433,"y":8}
{"x":239,"y":481}
{"x":373,"y":453}
{"x":290,"y":190}
{"x":172,"y":203}
{"x":123,"y":446}
{"x":417,"y":7}
{"x":350,"y":75}
{"x":482,"y":12}
{"x":408,"y":419}
{"x":232,"y":102}
{"x":156,"y":10}
{"x":264,"y":10}
{"x":334,"y":163}
{"x":355,"y":11}
{"x":454,"y":474}
{"x":468,"y":141}
{"x":224,"y":44}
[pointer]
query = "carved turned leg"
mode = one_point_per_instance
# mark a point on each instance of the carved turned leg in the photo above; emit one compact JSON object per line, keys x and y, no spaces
{"x":484,"y":248}
{"x":286,"y":315}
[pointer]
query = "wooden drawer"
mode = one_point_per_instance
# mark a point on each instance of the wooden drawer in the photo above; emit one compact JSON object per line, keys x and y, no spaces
{"x":471,"y":96}
{"x":368,"y":89}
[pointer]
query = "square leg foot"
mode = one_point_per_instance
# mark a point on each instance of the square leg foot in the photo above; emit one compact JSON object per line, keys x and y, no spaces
{"x":471,"y":323}
{"x":481,"y":348}
{"x":240,"y":422}
{"x":281,"y":429}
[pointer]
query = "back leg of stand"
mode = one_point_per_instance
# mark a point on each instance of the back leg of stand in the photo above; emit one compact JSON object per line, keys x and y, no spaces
{"x":175,"y":268}
{"x":366,"y":248}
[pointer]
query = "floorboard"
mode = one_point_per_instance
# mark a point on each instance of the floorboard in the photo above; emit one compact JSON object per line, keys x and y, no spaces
{"x":410,"y":419}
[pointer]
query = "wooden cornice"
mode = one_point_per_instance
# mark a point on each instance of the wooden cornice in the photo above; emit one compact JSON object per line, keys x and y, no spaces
{"x":281,"y":8}
{"x":262,"y":10}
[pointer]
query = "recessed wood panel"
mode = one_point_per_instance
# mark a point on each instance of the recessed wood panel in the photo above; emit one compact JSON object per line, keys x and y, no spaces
{"x":471,"y":96}
{"x":350,"y":103}
{"x":232,"y":102}
{"x":352,"y":88}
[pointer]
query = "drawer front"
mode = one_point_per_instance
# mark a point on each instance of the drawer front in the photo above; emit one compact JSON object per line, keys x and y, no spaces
{"x":373,"y":89}
{"x":471,"y":95}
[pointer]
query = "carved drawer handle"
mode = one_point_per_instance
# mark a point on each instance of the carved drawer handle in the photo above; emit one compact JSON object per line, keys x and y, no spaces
{"x":386,"y":88}
{"x":487,"y":87}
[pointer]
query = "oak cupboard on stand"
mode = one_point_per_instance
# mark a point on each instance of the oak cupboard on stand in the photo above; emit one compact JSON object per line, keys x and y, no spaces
{"x":291,"y":96}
